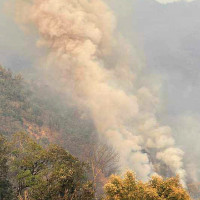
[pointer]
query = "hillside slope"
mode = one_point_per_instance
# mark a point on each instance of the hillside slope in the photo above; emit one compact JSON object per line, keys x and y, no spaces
{"x":34,"y":108}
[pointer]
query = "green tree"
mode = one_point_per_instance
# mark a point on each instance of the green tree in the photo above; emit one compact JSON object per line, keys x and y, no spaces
{"x":157,"y":188}
{"x":64,"y":178}
{"x":47,"y":173}
{"x":5,"y":186}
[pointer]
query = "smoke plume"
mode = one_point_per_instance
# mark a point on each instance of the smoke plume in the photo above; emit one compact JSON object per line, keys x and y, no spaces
{"x":83,"y":56}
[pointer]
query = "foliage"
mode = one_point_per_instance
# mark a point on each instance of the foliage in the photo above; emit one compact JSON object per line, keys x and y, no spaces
{"x":44,"y":173}
{"x":5,"y":186}
{"x":157,"y":188}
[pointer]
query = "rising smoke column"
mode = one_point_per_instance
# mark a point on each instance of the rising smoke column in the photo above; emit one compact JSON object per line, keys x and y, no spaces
{"x":80,"y":37}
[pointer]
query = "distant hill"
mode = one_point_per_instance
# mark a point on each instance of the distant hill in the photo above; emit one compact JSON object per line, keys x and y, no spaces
{"x":34,"y":108}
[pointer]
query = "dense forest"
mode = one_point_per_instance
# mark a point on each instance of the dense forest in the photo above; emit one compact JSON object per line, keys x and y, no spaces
{"x":30,"y":171}
{"x":47,"y":151}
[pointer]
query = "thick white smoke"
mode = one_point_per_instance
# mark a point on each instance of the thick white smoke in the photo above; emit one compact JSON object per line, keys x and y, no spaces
{"x":81,"y":41}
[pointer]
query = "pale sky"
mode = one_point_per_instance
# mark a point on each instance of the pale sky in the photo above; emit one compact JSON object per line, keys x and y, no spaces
{"x":171,"y":1}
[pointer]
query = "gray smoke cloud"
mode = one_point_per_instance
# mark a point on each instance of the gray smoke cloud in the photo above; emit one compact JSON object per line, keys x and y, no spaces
{"x":187,"y":134}
{"x":170,"y":36}
{"x":84,"y":56}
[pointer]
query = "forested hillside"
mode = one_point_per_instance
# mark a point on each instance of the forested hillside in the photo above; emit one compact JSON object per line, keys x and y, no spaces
{"x":48,"y":151}
{"x":28,"y":106}
{"x":33,"y":108}
{"x":15,"y":107}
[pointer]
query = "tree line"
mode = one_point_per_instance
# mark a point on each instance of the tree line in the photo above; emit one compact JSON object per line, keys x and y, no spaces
{"x":30,"y":171}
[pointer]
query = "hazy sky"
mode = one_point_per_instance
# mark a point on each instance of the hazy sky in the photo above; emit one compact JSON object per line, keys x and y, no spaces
{"x":17,"y":50}
{"x":172,"y":1}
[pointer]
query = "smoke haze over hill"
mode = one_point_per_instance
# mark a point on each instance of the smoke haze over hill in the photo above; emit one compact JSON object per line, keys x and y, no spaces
{"x":109,"y":78}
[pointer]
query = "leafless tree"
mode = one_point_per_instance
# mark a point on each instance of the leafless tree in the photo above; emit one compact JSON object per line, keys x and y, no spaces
{"x":103,"y":161}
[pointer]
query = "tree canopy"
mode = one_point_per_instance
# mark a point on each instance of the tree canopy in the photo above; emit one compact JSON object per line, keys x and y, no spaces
{"x":129,"y":188}
{"x":31,"y":171}
{"x":42,"y":173}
